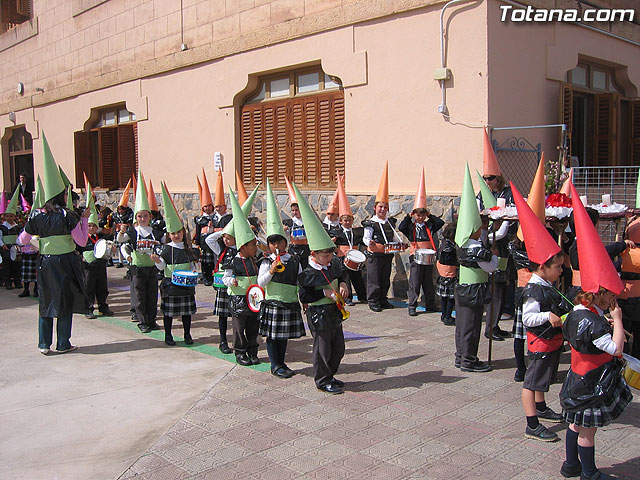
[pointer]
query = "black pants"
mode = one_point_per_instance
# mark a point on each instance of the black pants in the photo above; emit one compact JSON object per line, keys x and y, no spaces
{"x":144,"y":281}
{"x":378,"y":277}
{"x":496,"y":307}
{"x":96,"y":286}
{"x":631,"y":321}
{"x":10,"y":269}
{"x":421,"y":278}
{"x":448,"y":304}
{"x":468,"y":326}
{"x":245,"y":334}
{"x":355,"y":279}
{"x":328,"y":350}
{"x":207,"y":271}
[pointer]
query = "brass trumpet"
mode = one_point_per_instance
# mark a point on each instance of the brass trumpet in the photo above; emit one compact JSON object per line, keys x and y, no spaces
{"x":340,"y":303}
{"x":279,"y":265}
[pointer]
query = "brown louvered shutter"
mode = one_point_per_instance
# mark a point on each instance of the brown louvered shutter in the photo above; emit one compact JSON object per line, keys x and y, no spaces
{"x":566,"y":107}
{"x":126,"y":153}
{"x":635,"y":133}
{"x":83,"y":159}
{"x":275,"y":142}
{"x":246,"y":150}
{"x":108,"y":160}
{"x":605,"y":128}
{"x":296,"y":167}
{"x":258,"y":147}
{"x":23,"y":8}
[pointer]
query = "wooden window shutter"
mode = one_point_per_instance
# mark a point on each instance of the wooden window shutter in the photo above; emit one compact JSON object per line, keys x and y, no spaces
{"x":605,"y":129}
{"x":297,"y":167}
{"x":126,"y":153}
{"x":83,"y":159}
{"x":108,"y":161}
{"x":566,"y":115}
{"x":23,"y":8}
{"x":338,"y":135}
{"x":246,"y":145}
{"x":635,"y":132}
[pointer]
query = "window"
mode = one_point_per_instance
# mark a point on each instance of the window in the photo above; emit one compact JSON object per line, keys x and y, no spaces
{"x":108,"y":152}
{"x":293,"y":125}
{"x":14,"y":13}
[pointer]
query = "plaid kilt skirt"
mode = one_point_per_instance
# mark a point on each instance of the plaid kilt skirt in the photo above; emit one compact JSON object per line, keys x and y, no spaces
{"x":279,"y":321}
{"x":445,"y":286}
{"x":519,"y":330}
{"x":221,"y":305}
{"x":29,"y":264}
{"x":207,"y":256}
{"x":603,"y":414}
{"x":173,"y":306}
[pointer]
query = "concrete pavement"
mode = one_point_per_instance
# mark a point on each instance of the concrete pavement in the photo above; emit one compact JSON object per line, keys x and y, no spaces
{"x":126,"y":406}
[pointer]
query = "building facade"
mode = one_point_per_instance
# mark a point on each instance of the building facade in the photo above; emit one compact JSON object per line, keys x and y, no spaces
{"x":310,"y":89}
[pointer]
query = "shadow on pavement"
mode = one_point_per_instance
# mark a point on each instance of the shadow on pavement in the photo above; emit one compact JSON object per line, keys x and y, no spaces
{"x":119,"y":347}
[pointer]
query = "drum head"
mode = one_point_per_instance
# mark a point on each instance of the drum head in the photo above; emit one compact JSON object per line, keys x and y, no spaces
{"x":356,"y":256}
{"x":255,"y":295}
{"x":100,"y":248}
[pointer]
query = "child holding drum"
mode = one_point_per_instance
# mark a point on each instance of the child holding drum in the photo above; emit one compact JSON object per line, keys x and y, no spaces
{"x":176,"y":260}
{"x":280,"y":317}
{"x":419,"y":228}
{"x":95,"y":267}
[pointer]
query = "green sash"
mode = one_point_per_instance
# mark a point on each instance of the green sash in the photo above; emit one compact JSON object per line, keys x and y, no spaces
{"x":282,"y":292}
{"x":57,"y":245}
{"x":243,"y":285}
{"x":10,"y":239}
{"x":141,"y":259}
{"x":326,"y":300}
{"x":470,"y":275}
{"x":88,"y":256}
{"x":169,"y":269}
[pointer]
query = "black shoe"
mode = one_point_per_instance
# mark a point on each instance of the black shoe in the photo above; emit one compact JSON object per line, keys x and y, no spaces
{"x":541,"y":433}
{"x":597,"y":476}
{"x":24,"y":293}
{"x":91,"y":315}
{"x":168,"y":339}
{"x":224,"y":348}
{"x":254,"y":359}
{"x":187,"y":339}
{"x":282,"y":372}
{"x":568,"y":471}
{"x":336,"y":382}
{"x":155,"y":326}
{"x":107,"y":312}
{"x":449,"y":322}
{"x":456,"y":364}
{"x":243,"y":359}
{"x":502,"y":333}
{"x":549,"y":415}
{"x":119,"y":265}
{"x":385,"y":304}
{"x":331,"y":388}
{"x":431,"y":308}
{"x":519,"y":375}
{"x":412,"y":312}
{"x":476,"y":367}
{"x":374,"y":307}
{"x":284,"y":365}
{"x":495,"y":337}
{"x":144,"y":328}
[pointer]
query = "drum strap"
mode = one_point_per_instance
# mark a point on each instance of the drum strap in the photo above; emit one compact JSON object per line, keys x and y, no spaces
{"x":220,"y":259}
{"x":433,"y":245}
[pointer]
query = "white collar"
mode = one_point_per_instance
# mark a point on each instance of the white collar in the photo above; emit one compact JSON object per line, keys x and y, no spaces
{"x":8,"y":225}
{"x":375,"y":218}
{"x":284,"y":257}
{"x":144,"y":230}
{"x":297,"y":221}
{"x":316,"y":265}
{"x":179,"y":245}
{"x":582,"y":307}
{"x":345,"y":228}
{"x":331,"y":223}
{"x":535,"y":278}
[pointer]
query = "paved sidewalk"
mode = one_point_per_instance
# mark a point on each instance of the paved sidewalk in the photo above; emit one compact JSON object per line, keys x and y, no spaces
{"x":407,"y":412}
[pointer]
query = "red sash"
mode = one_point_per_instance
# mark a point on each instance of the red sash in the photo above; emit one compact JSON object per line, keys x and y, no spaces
{"x":537,"y":344}
{"x":582,"y":363}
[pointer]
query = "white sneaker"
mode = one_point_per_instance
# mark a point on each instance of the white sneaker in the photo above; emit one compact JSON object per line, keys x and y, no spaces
{"x":44,"y":351}
{"x":70,"y":349}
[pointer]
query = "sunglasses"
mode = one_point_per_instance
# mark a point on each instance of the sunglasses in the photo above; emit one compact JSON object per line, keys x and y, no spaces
{"x":489,"y":178}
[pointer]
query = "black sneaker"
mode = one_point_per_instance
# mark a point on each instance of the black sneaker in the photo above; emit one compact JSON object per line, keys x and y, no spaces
{"x":243,"y":359}
{"x":91,"y":315}
{"x":412,"y":312}
{"x":254,"y":360}
{"x":519,"y":375}
{"x":24,"y":293}
{"x":569,"y":471}
{"x":107,"y":312}
{"x":224,"y":348}
{"x":374,"y":307}
{"x":449,"y":322}
{"x":541,"y":433}
{"x":187,"y":339}
{"x":597,"y":476}
{"x":476,"y":367}
{"x":385,"y":304}
{"x":549,"y":415}
{"x":144,"y":328}
{"x":168,"y":339}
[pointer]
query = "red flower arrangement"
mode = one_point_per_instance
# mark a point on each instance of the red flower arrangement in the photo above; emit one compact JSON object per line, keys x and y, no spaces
{"x":558,"y":200}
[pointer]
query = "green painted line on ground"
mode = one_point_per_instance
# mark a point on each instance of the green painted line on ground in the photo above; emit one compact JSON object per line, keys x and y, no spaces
{"x":197,"y":347}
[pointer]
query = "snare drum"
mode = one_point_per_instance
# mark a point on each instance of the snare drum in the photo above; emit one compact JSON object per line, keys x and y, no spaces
{"x":298,"y":233}
{"x":184,"y":278}
{"x":217,"y":280}
{"x":14,"y":253}
{"x":354,"y":259}
{"x":103,"y":249}
{"x":632,"y":371}
{"x":424,"y":256}
{"x":147,"y":246}
{"x":393,"y":247}
{"x":255,"y":296}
